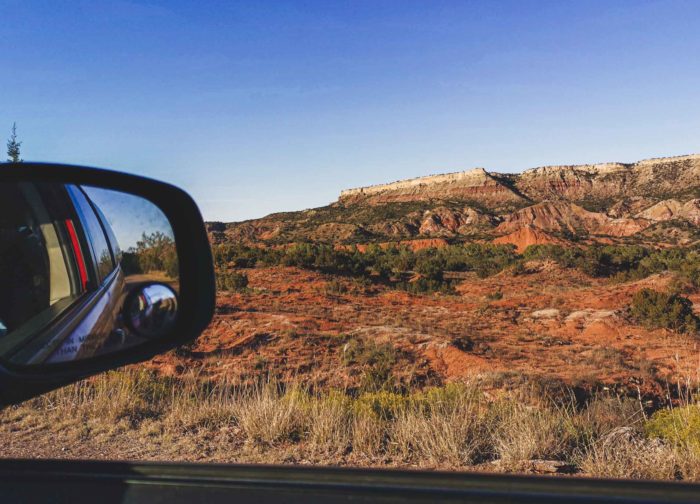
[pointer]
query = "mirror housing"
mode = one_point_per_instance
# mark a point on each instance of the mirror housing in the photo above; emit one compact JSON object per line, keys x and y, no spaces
{"x":194,"y":303}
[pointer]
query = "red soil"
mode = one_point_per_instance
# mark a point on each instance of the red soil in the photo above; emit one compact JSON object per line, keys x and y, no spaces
{"x":549,"y":325}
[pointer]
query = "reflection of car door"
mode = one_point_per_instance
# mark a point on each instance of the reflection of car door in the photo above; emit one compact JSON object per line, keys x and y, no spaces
{"x":42,"y":263}
{"x":98,"y":321}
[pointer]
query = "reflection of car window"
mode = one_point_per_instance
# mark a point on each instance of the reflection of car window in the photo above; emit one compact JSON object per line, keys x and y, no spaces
{"x":23,"y":261}
{"x":98,"y":241}
{"x":116,"y":250}
{"x":38,"y":267}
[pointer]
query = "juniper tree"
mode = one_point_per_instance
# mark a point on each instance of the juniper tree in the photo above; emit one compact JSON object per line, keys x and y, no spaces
{"x":13,"y":145}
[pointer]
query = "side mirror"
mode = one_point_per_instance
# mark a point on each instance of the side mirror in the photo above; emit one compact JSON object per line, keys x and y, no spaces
{"x":98,"y":269}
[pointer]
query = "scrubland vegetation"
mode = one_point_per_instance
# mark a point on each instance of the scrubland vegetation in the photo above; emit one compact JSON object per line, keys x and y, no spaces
{"x":619,"y":262}
{"x":458,"y":426}
{"x":426,"y":271}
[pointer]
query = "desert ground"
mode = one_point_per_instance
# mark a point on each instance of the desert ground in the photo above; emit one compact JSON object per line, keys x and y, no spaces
{"x":541,"y":371}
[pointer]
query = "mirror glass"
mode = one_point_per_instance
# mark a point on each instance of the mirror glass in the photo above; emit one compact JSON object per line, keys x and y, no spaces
{"x":84,"y":271}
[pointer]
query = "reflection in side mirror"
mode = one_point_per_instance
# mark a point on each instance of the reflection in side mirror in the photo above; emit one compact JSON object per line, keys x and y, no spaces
{"x":84,"y":272}
{"x":151,"y":310}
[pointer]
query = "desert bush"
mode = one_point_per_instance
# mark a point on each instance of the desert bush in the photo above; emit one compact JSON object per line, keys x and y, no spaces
{"x":113,"y":397}
{"x":655,"y":309}
{"x":361,"y":285}
{"x":335,"y":287}
{"x":424,"y":285}
{"x":518,"y":268}
{"x":376,"y":360}
{"x":679,"y":426}
{"x":565,"y":256}
{"x":603,"y":414}
{"x":231,"y":281}
{"x":383,"y":404}
{"x":620,"y":443}
{"x":495,"y":295}
{"x":621,"y":262}
{"x":242,"y":256}
{"x":195,"y":404}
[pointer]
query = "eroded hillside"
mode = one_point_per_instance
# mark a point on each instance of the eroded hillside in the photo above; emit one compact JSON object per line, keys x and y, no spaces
{"x":653,"y":202}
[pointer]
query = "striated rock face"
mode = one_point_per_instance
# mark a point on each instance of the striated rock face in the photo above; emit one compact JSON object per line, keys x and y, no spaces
{"x":477,"y":185}
{"x":662,"y":211}
{"x":574,"y":183}
{"x":673,"y":209}
{"x":528,"y":235}
{"x":659,"y":178}
{"x":603,"y":182}
{"x":564,"y":217}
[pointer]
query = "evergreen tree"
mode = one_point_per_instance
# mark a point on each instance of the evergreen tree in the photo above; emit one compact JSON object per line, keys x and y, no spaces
{"x":13,"y":154}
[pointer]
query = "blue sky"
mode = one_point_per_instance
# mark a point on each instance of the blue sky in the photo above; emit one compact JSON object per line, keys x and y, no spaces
{"x":129,"y":216}
{"x":255,"y":107}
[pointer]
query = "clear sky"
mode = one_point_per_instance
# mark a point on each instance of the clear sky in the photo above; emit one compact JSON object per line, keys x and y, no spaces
{"x":255,"y":107}
{"x":129,"y":216}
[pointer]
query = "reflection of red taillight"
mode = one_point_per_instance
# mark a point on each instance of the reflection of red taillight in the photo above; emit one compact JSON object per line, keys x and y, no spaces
{"x":78,"y":253}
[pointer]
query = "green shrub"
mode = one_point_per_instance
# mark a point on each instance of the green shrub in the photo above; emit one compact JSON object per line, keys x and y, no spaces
{"x":495,"y":295}
{"x":680,"y":426}
{"x":655,"y":309}
{"x":424,"y":285}
{"x":231,"y":281}
{"x":335,"y":287}
{"x":377,"y":361}
{"x":383,"y":404}
{"x":620,"y":262}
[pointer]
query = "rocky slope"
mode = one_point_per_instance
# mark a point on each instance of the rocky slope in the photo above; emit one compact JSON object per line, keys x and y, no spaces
{"x":647,"y":201}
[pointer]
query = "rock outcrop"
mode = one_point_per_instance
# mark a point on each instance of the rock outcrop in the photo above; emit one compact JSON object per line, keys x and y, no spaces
{"x":476,"y":185}
{"x":568,"y":218}
{"x":673,"y":209}
{"x":528,"y":235}
{"x":659,"y":178}
{"x":445,"y":221}
{"x":612,"y":181}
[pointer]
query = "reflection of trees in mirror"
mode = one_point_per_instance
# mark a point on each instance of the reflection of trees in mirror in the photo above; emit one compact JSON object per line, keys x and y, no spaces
{"x":153,"y":253}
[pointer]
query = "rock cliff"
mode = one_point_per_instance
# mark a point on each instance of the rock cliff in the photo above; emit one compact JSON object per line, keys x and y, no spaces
{"x":660,"y":177}
{"x":651,"y":201}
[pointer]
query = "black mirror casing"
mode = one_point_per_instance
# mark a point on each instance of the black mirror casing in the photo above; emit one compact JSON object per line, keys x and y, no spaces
{"x":197,"y":286}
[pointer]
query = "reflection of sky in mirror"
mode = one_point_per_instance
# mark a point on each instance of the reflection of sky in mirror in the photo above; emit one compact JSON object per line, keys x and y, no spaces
{"x":130,"y":216}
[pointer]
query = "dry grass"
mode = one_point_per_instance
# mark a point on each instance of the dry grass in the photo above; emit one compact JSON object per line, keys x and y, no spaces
{"x":136,"y":414}
{"x":525,"y":432}
{"x":621,"y":455}
{"x":266,"y":415}
{"x":330,"y":432}
{"x":444,"y":428}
